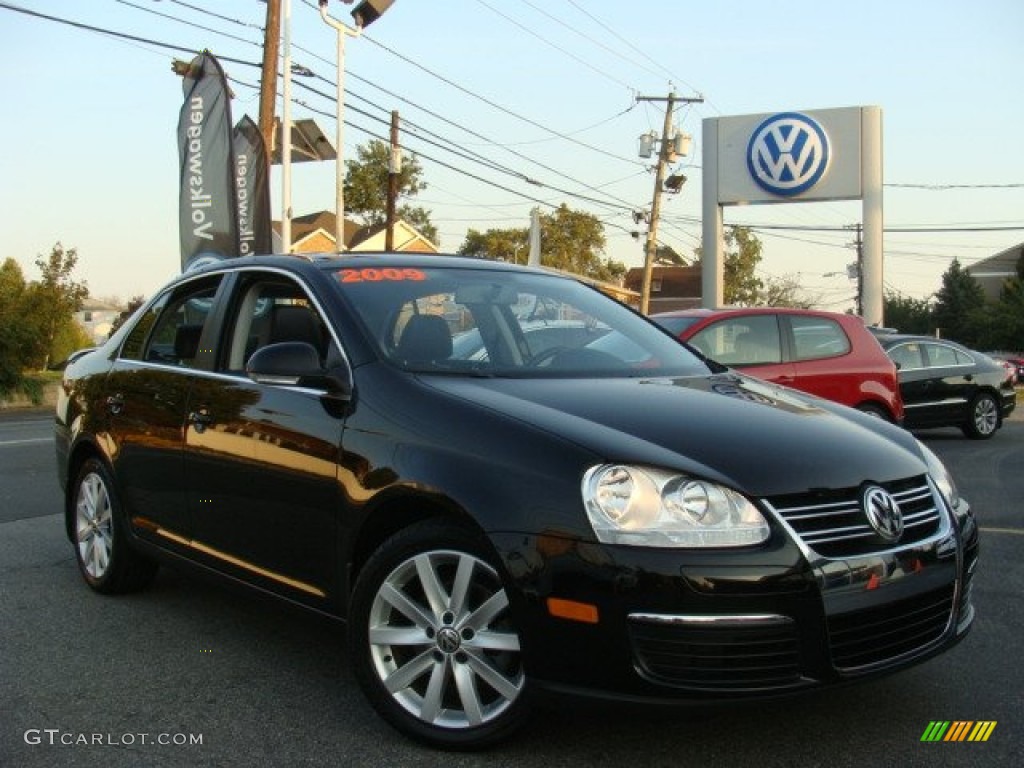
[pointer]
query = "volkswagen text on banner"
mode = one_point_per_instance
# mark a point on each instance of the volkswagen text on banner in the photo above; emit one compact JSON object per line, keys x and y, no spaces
{"x":207,"y":211}
{"x":252,"y":188}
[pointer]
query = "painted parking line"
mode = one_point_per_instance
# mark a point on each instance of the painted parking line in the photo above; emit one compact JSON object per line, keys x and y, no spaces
{"x":1011,"y":531}
{"x":26,"y":441}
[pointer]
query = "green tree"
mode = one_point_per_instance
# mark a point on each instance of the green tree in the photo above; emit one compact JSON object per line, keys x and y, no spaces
{"x":667,"y":256}
{"x":70,"y":336}
{"x":570,"y":240}
{"x":906,"y":314}
{"x":52,"y":301}
{"x":510,"y":245}
{"x":17,"y":339}
{"x":133,"y":304}
{"x":743,"y":249}
{"x":786,"y":291}
{"x":366,"y":188}
{"x":1000,"y":325}
{"x":957,"y":305}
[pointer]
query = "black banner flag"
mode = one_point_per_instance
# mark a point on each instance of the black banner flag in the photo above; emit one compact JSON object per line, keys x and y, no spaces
{"x":252,"y":189}
{"x":207,"y":210}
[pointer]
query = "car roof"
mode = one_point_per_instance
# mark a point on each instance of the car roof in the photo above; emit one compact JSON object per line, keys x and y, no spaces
{"x":300,"y":262}
{"x":892,"y":339}
{"x":740,"y":311}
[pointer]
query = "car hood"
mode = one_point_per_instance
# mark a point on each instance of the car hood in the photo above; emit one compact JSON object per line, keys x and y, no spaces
{"x":762,"y":438}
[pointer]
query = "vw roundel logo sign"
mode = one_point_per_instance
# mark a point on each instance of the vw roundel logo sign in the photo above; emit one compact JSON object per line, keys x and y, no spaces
{"x":788,"y":154}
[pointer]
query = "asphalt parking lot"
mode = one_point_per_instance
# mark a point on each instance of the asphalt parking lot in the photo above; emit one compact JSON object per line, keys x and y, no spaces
{"x":92,"y":681}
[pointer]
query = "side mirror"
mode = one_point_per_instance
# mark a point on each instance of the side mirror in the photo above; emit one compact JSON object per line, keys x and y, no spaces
{"x":296,"y":363}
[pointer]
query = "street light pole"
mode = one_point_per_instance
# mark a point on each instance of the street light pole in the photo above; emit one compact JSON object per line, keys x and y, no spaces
{"x":343,"y":31}
{"x":286,"y":129}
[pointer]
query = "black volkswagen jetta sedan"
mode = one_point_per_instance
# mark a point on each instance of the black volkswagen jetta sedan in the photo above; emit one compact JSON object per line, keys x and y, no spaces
{"x":621,"y":519}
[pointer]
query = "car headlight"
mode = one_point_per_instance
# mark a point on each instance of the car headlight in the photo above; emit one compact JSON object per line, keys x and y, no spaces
{"x":941,"y":477}
{"x":649,"y":507}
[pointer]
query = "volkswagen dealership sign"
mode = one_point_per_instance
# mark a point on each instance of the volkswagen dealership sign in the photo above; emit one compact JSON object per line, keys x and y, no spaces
{"x":790,"y":157}
{"x":788,"y":153}
{"x":793,"y":157}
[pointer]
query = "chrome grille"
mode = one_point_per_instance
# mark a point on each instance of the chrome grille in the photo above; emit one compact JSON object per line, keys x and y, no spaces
{"x":833,"y":523}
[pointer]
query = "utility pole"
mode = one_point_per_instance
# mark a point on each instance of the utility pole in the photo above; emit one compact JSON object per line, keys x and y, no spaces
{"x":859,"y":245}
{"x":664,"y":154}
{"x":394,"y":169}
{"x":268,"y":79}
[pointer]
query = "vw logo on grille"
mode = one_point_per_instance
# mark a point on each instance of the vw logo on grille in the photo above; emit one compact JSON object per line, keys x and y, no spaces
{"x":788,"y":154}
{"x":883,"y":512}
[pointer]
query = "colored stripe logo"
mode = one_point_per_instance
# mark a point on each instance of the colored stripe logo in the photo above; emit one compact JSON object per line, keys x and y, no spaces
{"x":958,"y":730}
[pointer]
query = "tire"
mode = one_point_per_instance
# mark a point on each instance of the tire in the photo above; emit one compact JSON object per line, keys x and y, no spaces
{"x":442,"y":669}
{"x":105,"y":558}
{"x":871,"y":409}
{"x":984,"y":417}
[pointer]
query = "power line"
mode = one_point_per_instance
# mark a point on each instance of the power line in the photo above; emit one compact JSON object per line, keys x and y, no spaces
{"x":112,"y":33}
{"x":187,"y":23}
{"x":499,"y":107}
{"x":544,"y":40}
{"x":466,"y":155}
{"x":628,"y":43}
{"x":944,"y":187}
{"x":217,"y":15}
{"x":590,"y":39}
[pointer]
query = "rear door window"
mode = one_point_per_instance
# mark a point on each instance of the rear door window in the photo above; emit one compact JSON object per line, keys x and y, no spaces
{"x":816,"y":337}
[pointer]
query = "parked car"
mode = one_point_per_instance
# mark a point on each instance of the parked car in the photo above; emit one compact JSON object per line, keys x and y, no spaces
{"x":1014,"y":365}
{"x":1009,"y":368}
{"x":1018,"y":361}
{"x":650,"y":528}
{"x":827,"y":354}
{"x":944,"y":384}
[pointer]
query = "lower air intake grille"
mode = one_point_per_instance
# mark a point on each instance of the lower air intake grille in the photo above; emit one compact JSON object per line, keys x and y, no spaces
{"x":719,"y":657}
{"x":877,"y":635}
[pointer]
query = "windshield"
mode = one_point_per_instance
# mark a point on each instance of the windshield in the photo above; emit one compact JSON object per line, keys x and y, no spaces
{"x":485,"y":322}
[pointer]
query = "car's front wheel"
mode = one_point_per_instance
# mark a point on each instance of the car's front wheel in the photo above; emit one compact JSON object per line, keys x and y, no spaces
{"x":984,"y":417}
{"x":105,"y":558}
{"x":433,"y":642}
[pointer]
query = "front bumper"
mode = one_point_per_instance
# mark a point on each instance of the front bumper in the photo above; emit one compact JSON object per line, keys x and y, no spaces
{"x":710,"y":626}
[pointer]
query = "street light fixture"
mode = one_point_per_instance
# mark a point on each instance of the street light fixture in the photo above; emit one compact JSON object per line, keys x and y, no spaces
{"x":364,"y":14}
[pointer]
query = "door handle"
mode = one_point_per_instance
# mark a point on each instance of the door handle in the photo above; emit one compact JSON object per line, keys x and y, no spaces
{"x":200,"y":420}
{"x":115,"y":404}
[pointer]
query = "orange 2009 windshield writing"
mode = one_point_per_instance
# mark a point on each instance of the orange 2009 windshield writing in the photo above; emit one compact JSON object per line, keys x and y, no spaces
{"x":371,"y":275}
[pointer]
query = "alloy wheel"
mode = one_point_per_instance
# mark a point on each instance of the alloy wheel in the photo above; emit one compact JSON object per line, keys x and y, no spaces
{"x":986,"y":415}
{"x":94,"y":525}
{"x":441,"y":641}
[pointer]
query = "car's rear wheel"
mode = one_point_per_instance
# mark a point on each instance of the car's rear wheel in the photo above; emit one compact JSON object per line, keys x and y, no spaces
{"x":105,"y":558}
{"x":871,"y":409}
{"x":984,"y":417}
{"x":433,"y":642}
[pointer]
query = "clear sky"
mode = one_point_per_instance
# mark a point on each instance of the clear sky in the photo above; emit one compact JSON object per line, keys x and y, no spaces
{"x":538,"y":88}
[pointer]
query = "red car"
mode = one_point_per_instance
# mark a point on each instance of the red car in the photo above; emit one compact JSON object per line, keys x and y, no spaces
{"x":827,"y":354}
